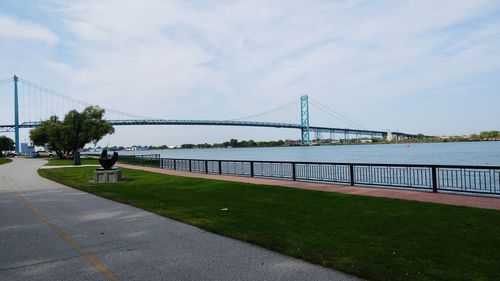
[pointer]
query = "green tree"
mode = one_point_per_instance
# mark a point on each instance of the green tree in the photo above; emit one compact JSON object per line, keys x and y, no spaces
{"x":74,"y":132}
{"x":5,"y":144}
{"x":233,"y":142}
{"x":243,"y":143}
{"x":252,"y":143}
{"x":489,"y":134}
{"x":50,"y":132}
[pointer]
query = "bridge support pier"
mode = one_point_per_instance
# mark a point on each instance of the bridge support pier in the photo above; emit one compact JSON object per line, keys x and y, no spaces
{"x":16,"y":115}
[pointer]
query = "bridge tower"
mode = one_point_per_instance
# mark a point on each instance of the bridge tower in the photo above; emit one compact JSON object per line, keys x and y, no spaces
{"x":304,"y":120}
{"x":16,"y":114}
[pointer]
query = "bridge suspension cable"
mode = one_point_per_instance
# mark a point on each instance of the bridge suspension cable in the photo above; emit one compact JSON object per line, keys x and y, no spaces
{"x":46,"y":105}
{"x":342,"y":118}
{"x":39,"y":103}
{"x":286,"y":113}
{"x":5,"y":81}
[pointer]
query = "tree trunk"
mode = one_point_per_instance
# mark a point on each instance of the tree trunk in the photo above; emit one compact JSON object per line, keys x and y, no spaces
{"x":76,"y":157}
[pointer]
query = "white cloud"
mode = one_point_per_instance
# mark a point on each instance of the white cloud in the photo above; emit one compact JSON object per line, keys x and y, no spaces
{"x":87,"y":31}
{"x":221,"y":60}
{"x":16,"y":29}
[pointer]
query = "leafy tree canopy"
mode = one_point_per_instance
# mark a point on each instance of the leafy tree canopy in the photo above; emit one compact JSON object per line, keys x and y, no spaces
{"x":5,"y":144}
{"x":74,"y":132}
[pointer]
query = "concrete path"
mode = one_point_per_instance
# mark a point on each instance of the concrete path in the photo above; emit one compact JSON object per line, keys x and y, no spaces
{"x":52,"y":232}
{"x":68,"y":166}
{"x":441,"y":198}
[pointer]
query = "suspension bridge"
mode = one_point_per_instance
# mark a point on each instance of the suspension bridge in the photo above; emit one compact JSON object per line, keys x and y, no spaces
{"x":34,"y":103}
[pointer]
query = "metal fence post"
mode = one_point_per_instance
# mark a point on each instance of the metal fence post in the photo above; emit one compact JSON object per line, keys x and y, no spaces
{"x":251,"y":169}
{"x":351,"y":171}
{"x":174,"y":164}
{"x":161,"y":163}
{"x":206,"y":166}
{"x":190,"y":170}
{"x":220,"y":168}
{"x":434,"y":179}
{"x":294,"y":171}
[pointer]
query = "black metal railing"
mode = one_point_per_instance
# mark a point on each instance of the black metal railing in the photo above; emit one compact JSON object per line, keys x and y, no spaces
{"x":151,"y":160}
{"x":435,"y":178}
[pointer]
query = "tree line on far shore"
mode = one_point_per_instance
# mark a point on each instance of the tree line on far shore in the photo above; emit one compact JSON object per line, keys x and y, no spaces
{"x":482,"y":136}
{"x":243,"y":143}
{"x":420,"y":138}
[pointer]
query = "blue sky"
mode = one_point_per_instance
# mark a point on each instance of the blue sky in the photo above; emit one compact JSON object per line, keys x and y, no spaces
{"x":414,"y":66}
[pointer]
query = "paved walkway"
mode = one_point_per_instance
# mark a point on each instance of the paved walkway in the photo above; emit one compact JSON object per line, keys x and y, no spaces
{"x":68,"y":166}
{"x":52,"y":232}
{"x":442,"y":198}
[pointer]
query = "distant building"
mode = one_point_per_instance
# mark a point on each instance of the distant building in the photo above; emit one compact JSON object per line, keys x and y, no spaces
{"x":95,"y":150}
{"x":389,"y":135}
{"x":137,"y":148}
{"x":26,"y":148}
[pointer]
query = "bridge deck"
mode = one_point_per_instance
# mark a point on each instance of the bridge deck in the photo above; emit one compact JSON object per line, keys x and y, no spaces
{"x":151,"y":122}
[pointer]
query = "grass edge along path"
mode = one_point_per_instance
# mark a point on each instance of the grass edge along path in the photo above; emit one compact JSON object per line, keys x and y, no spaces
{"x":370,"y":237}
{"x":64,"y":162}
{"x":5,"y":160}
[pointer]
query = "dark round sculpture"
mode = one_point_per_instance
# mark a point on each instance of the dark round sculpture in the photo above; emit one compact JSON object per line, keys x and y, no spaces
{"x":107,"y":163}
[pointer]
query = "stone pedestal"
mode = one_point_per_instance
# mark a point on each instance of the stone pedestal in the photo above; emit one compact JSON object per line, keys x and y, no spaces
{"x":107,"y":175}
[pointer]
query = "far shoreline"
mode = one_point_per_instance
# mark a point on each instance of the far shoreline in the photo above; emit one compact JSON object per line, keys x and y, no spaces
{"x":312,"y":145}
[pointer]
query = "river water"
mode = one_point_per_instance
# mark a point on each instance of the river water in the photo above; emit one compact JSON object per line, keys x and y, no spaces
{"x":458,"y":153}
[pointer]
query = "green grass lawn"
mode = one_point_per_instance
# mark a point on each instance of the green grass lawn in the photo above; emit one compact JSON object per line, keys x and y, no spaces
{"x":5,"y":160}
{"x":62,"y":162}
{"x":373,"y":238}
